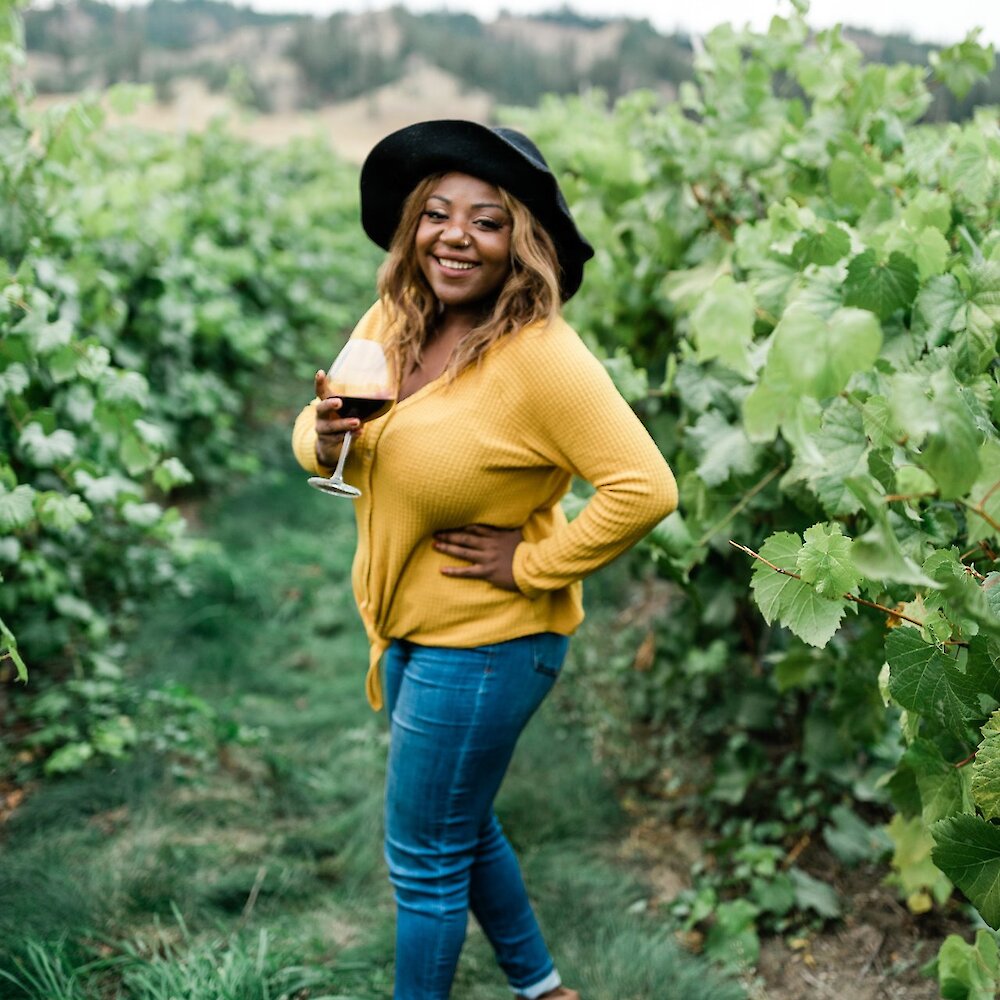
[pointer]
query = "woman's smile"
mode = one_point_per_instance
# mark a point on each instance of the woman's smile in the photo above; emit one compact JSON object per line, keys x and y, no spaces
{"x":451,"y":264}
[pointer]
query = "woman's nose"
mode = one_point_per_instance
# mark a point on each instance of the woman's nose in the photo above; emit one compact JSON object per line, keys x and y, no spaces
{"x":454,"y":234}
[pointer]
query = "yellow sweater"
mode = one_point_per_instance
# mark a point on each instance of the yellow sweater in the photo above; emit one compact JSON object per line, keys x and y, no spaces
{"x":497,"y":445}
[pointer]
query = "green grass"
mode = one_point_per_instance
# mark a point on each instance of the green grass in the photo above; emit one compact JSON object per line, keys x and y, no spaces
{"x":260,"y":877}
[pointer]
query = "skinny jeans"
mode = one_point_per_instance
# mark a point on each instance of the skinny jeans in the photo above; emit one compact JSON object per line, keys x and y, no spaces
{"x":455,"y":716}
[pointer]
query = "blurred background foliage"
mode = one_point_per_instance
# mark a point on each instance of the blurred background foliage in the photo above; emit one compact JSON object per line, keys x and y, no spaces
{"x":796,"y":285}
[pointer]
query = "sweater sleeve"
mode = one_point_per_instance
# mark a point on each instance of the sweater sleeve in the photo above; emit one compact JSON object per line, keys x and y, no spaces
{"x":304,"y":431}
{"x":568,"y":409}
{"x":304,"y":441}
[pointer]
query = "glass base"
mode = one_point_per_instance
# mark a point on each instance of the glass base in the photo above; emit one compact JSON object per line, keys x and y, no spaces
{"x":335,"y":487}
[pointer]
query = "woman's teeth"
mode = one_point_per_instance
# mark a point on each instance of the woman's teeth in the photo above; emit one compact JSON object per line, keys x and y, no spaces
{"x":456,"y":265}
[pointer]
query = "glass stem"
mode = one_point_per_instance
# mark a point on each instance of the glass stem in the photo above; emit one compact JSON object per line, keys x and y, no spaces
{"x":338,"y":475}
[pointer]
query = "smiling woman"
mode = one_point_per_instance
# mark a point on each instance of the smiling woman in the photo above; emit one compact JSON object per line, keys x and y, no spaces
{"x":467,"y":573}
{"x":463,"y":241}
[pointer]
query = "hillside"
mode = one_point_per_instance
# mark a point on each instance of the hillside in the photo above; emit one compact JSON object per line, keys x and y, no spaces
{"x":292,"y":62}
{"x":353,"y":77}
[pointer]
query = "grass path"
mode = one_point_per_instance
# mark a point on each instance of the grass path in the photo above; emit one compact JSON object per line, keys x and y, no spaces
{"x":258,"y":874}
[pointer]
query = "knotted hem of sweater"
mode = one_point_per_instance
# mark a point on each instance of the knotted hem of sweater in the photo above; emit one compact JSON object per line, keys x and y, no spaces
{"x":373,"y":679}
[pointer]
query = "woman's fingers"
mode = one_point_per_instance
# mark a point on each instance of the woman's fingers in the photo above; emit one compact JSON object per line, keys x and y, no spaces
{"x":328,"y":420}
{"x":461,"y":539}
{"x":488,"y":552}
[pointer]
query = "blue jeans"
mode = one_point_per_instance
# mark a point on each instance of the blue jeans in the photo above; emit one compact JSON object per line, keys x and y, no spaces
{"x":455,"y":715}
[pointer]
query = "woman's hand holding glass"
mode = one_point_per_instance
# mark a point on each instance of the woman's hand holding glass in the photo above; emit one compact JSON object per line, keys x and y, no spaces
{"x":330,"y":426}
{"x":356,"y":388}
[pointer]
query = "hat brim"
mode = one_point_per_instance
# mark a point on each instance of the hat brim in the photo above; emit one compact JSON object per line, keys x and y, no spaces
{"x":401,"y":160}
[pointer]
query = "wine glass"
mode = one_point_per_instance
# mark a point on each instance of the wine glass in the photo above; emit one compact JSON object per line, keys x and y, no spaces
{"x":360,"y":377}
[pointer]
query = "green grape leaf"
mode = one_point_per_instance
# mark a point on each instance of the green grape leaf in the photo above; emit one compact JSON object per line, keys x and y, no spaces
{"x":825,"y":560}
{"x":944,"y":788}
{"x":763,"y":410}
{"x":143,"y":515}
{"x":70,"y":757}
{"x":878,"y":553}
{"x":815,"y":357}
{"x":969,"y":971}
{"x":45,"y":450}
{"x":851,"y":839}
{"x":850,"y":183}
{"x":122,"y":386}
{"x":913,"y":869}
{"x":17,"y":507}
{"x":983,"y":668}
{"x":834,"y":454}
{"x":878,"y":423}
{"x":47,"y":337}
{"x":724,"y":448}
{"x":961,"y":65}
{"x":722,"y":324}
{"x":632,"y":382}
{"x":926,"y":246}
{"x":983,"y":316}
{"x":732,"y":939}
{"x":62,"y":512}
{"x":929,"y":682}
{"x":967,"y":850}
{"x":171,"y":472}
{"x":914,"y":482}
{"x":793,"y":603}
{"x":930,"y":250}
{"x":95,"y":362}
{"x":881,"y":286}
{"x":78,"y":403}
{"x":929,"y":208}
{"x":136,"y":455}
{"x":986,"y":772}
{"x":8,"y":641}
{"x":824,"y":245}
{"x":105,"y":489}
{"x":963,"y":171}
{"x":985,"y":495}
{"x":941,"y":308}
{"x":813,"y":894}
{"x":951,"y":451}
{"x":967,"y":600}
{"x":14,"y":379}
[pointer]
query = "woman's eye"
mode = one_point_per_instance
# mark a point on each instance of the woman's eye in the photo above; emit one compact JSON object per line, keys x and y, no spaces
{"x":435,"y":215}
{"x":490,"y":224}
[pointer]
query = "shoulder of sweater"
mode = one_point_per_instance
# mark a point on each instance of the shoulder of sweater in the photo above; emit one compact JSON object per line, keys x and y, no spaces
{"x":539,"y":346}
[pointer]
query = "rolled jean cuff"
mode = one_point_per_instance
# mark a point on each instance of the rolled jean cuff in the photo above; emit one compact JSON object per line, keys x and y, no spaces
{"x":550,"y":982}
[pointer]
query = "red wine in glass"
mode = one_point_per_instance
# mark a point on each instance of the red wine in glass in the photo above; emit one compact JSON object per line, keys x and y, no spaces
{"x":364,"y":407}
{"x":360,"y":378}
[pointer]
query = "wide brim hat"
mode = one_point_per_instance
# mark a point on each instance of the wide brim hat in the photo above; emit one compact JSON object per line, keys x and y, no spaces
{"x":502,"y":156}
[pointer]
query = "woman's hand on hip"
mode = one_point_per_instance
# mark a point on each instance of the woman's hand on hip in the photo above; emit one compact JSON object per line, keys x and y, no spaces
{"x":330,"y":428}
{"x":489,"y":552}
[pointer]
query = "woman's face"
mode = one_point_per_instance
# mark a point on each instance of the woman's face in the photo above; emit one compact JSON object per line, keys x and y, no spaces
{"x":463,"y":241}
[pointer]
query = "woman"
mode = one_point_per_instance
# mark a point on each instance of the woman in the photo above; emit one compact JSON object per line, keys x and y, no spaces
{"x":467,"y":574}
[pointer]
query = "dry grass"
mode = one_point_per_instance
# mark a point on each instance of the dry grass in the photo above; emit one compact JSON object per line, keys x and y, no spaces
{"x":351,"y":127}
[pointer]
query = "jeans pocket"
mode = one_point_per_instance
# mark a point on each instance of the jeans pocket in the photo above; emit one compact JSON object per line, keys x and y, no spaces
{"x":549,"y":651}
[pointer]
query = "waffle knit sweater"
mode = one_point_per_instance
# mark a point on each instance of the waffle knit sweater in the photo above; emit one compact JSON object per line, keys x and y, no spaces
{"x":497,"y":445}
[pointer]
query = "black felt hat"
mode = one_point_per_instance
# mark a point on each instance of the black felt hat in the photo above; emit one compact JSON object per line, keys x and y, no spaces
{"x":501,"y":156}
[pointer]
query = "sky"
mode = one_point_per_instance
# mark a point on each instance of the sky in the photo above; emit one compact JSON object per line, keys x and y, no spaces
{"x":923,"y":20}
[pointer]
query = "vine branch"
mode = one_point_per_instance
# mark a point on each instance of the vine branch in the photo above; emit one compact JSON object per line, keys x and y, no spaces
{"x":718,"y":223}
{"x":746,"y":498}
{"x":978,"y":508}
{"x":850,"y":597}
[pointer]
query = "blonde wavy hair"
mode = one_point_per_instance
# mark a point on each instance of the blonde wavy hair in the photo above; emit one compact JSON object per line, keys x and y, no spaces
{"x":530,"y":293}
